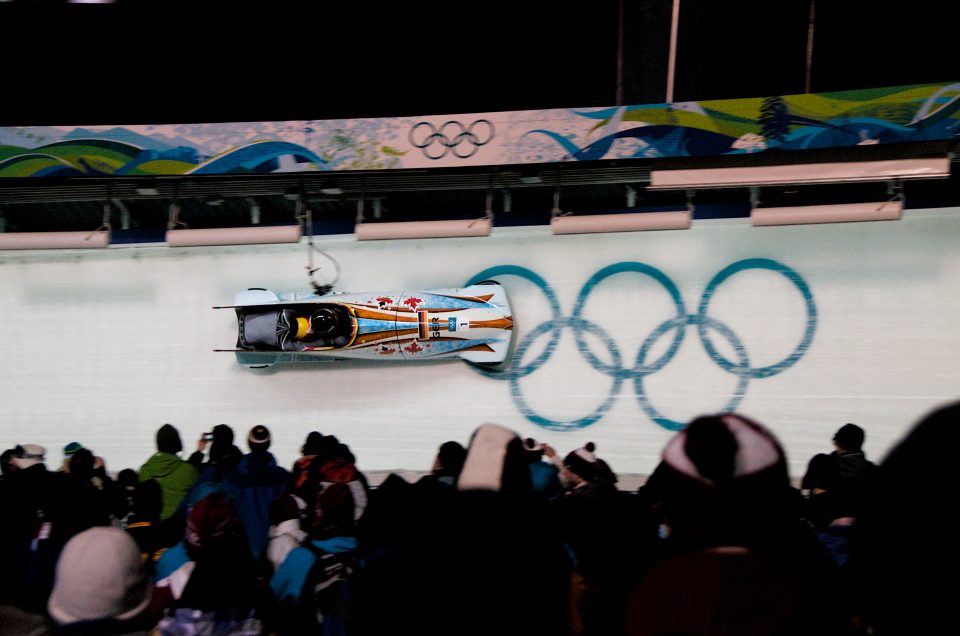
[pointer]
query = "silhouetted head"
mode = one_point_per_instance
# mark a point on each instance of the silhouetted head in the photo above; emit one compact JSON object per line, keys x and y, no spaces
{"x":311,"y":446}
{"x":168,"y":440}
{"x":81,"y":465}
{"x":222,"y":434}
{"x":450,"y":458}
{"x":849,"y":437}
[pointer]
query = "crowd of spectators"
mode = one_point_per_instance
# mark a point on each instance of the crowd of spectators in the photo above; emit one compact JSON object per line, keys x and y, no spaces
{"x":503,"y":536}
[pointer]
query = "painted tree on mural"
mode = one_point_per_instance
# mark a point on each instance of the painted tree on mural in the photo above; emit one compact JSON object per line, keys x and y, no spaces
{"x":774,"y":118}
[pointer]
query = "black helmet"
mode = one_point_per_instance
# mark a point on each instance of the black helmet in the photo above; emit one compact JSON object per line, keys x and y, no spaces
{"x":323,"y":320}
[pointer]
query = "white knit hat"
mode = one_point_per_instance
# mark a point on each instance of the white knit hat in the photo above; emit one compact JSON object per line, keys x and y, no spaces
{"x":495,"y":462}
{"x":99,"y":575}
{"x":486,"y":454}
{"x":27,"y":455}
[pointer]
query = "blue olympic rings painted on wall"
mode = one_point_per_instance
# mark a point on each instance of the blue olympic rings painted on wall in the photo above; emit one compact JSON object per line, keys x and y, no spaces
{"x":515,"y":369}
{"x":451,"y":137}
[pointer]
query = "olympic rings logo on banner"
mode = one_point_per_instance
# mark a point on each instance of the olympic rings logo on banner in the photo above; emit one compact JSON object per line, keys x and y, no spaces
{"x":451,"y":137}
{"x":677,"y":325}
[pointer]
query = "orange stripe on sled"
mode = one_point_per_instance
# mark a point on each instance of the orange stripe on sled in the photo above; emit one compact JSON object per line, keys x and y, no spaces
{"x":375,"y":336}
{"x":499,"y":323}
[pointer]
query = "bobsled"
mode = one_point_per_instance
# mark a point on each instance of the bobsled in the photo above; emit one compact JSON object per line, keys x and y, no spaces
{"x":471,"y":323}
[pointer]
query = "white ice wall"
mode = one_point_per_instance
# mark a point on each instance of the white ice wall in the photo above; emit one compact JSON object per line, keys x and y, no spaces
{"x":104,"y":346}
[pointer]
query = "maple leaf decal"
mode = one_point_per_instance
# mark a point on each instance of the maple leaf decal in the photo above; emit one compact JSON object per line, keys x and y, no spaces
{"x":413,"y":347}
{"x":413,"y":302}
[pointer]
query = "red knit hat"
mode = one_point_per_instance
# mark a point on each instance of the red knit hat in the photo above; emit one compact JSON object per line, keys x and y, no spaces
{"x":211,"y":519}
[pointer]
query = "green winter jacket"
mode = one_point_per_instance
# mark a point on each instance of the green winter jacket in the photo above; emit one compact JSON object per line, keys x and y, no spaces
{"x":175,"y":477}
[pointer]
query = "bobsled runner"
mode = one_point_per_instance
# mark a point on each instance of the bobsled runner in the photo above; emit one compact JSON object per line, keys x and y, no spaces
{"x":472,"y":323}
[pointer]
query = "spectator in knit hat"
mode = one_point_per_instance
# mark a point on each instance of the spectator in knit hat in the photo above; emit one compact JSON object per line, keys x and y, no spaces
{"x":488,"y":560}
{"x":739,"y":559}
{"x":332,"y":462}
{"x":253,"y":484}
{"x":505,"y":538}
{"x":213,"y":478}
{"x":310,"y":582}
{"x":605,"y":534}
{"x":174,"y":475}
{"x":495,"y":462}
{"x":219,"y":585}
{"x":101,"y":586}
{"x":28,"y":455}
{"x":341,"y":468}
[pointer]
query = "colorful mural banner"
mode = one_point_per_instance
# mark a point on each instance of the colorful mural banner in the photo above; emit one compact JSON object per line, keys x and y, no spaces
{"x":688,"y":129}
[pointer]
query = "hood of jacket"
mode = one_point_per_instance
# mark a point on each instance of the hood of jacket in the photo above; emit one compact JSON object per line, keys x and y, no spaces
{"x":160,"y":465}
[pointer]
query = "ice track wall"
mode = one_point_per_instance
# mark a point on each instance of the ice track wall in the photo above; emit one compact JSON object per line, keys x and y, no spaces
{"x":621,"y":338}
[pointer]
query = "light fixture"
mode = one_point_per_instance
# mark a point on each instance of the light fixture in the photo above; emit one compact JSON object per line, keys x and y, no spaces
{"x":890,"y":210}
{"x":331,"y":189}
{"x":233,"y":236}
{"x":54,"y":240}
{"x":424,"y":229}
{"x":627,"y":222}
{"x":568,"y":223}
{"x":147,"y":191}
{"x":842,"y":172}
{"x":97,"y":239}
{"x":179,"y":235}
{"x":448,"y":228}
